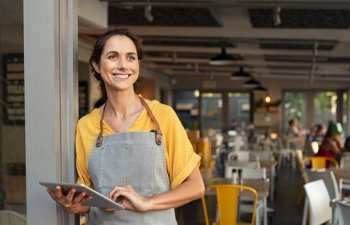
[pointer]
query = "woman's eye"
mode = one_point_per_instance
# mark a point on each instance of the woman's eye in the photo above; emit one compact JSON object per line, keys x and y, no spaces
{"x":131,"y":58}
{"x":113,"y":57}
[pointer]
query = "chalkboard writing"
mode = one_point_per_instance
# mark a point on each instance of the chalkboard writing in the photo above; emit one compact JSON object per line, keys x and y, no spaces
{"x":13,"y":89}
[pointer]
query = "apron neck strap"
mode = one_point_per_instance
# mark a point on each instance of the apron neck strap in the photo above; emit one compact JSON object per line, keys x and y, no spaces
{"x":157,"y":131}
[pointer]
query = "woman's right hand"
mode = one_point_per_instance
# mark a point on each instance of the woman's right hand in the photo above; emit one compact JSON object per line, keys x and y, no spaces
{"x":71,"y":202}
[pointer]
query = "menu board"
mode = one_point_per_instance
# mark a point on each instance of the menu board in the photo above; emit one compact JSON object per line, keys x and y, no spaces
{"x":13,"y":89}
{"x":83,"y":98}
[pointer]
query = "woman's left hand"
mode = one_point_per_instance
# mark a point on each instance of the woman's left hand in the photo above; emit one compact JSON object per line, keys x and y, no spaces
{"x":130,"y":199}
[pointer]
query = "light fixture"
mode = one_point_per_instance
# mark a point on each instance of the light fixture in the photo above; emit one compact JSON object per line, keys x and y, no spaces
{"x":148,"y":13}
{"x":260,"y":88}
{"x":240,"y":74}
{"x":252,"y":82}
{"x":277,"y":15}
{"x":223,"y":58}
{"x":267,"y":98}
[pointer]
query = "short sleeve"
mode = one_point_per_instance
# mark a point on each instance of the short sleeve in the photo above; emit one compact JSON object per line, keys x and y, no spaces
{"x":181,"y":159}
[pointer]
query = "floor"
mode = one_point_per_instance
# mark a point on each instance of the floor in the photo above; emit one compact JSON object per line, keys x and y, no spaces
{"x":285,"y":210}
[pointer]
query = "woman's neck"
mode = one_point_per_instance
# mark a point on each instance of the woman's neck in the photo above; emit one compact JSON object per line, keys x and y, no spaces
{"x":122,"y":104}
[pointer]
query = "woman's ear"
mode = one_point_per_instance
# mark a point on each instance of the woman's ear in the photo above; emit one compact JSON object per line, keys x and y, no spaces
{"x":96,"y":67}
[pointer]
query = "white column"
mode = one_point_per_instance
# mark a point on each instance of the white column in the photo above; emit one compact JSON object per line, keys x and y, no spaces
{"x":50,"y":53}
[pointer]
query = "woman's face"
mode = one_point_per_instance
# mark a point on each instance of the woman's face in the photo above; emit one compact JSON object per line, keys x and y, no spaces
{"x":119,"y":64}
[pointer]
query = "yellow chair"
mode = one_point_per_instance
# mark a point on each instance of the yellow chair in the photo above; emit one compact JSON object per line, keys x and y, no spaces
{"x":228,"y":198}
{"x":320,"y":162}
{"x":203,"y":148}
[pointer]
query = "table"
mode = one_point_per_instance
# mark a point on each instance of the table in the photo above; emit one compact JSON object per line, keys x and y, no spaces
{"x":271,"y":173}
{"x":262,"y":187}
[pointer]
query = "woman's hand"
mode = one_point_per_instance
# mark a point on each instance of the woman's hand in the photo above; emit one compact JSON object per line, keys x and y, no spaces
{"x":72,"y":202}
{"x":130,"y":199}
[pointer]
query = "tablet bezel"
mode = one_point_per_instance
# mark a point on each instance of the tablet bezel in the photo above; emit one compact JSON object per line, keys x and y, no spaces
{"x":98,"y":200}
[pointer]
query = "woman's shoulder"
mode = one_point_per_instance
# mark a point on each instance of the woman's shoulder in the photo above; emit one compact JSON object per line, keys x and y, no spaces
{"x":159,"y":108}
{"x":89,"y":119}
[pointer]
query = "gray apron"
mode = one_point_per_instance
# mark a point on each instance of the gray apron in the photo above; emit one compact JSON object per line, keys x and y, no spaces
{"x":130,"y":158}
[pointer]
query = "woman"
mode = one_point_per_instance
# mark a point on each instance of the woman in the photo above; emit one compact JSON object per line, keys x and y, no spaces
{"x":131,"y":147}
{"x":331,"y":143}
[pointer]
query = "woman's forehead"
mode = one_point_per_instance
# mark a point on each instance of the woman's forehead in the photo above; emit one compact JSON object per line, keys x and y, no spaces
{"x":120,"y":43}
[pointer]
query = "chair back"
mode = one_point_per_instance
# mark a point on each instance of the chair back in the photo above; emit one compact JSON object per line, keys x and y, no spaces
{"x":320,"y":162}
{"x":318,"y":201}
{"x":253,"y":173}
{"x":344,"y":212}
{"x":265,"y":155}
{"x":8,"y":217}
{"x":228,"y":197}
{"x":327,"y":177}
{"x":242,"y":156}
{"x":345,"y":162}
{"x":229,"y":166}
{"x":300,"y":159}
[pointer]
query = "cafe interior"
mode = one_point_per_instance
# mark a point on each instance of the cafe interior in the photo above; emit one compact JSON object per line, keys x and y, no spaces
{"x":259,"y":85}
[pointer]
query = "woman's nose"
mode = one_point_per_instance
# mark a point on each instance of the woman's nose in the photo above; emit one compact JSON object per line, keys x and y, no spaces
{"x":121,"y":63}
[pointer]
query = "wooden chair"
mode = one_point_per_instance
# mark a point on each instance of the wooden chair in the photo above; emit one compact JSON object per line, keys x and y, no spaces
{"x":8,"y":217}
{"x":320,"y":162}
{"x":228,"y":198}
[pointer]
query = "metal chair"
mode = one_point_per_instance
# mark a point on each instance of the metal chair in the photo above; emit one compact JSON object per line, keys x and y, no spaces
{"x":320,"y":162}
{"x":330,"y":182}
{"x":8,"y":217}
{"x":344,"y":212}
{"x":319,"y":202}
{"x":228,"y":202}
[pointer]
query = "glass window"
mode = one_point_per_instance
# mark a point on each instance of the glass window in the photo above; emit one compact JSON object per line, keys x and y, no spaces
{"x":186,"y":107}
{"x":239,"y":108}
{"x":325,"y":107}
{"x":12,"y":139}
{"x":211,"y":112}
{"x":294,"y":107}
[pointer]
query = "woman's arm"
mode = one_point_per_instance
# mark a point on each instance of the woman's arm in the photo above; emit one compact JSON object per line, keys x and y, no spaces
{"x":335,"y":146}
{"x":192,"y":188}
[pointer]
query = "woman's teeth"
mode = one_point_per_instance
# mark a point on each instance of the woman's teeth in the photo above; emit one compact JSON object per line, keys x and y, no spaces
{"x":121,"y":75}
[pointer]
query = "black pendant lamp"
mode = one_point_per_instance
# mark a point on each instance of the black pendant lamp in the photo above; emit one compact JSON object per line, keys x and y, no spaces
{"x":223,"y":58}
{"x":260,"y":88}
{"x":251,"y":83}
{"x":240,"y":74}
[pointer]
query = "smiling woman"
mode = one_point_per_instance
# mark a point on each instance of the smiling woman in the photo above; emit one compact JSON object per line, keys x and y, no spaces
{"x":145,"y":152}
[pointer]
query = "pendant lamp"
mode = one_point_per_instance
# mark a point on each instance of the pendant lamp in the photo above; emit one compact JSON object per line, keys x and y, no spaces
{"x":240,"y":74}
{"x":260,"y":88}
{"x":223,"y":58}
{"x":252,"y":82}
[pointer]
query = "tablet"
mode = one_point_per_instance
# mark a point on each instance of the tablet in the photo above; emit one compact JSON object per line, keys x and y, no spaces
{"x":98,"y":200}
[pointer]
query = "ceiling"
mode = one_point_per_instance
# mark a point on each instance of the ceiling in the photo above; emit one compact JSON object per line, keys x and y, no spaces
{"x":312,"y":41}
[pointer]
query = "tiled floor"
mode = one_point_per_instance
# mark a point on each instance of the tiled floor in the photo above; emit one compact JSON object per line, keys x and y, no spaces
{"x":285,"y":210}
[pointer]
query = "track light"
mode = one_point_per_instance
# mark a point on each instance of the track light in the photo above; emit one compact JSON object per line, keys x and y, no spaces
{"x":148,"y":13}
{"x":277,"y":15}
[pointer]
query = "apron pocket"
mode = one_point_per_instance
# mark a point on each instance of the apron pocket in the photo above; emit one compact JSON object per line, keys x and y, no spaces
{"x":140,"y":166}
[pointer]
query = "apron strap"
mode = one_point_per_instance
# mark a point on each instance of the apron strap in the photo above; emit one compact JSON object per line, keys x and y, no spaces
{"x":157,"y":131}
{"x":100,"y":137}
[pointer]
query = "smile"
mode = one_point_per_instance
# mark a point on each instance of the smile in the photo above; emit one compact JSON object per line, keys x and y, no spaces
{"x":121,"y":75}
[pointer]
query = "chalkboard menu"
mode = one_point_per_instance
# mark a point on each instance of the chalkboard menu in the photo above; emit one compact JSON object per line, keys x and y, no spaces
{"x":13,"y":89}
{"x":83,"y":98}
